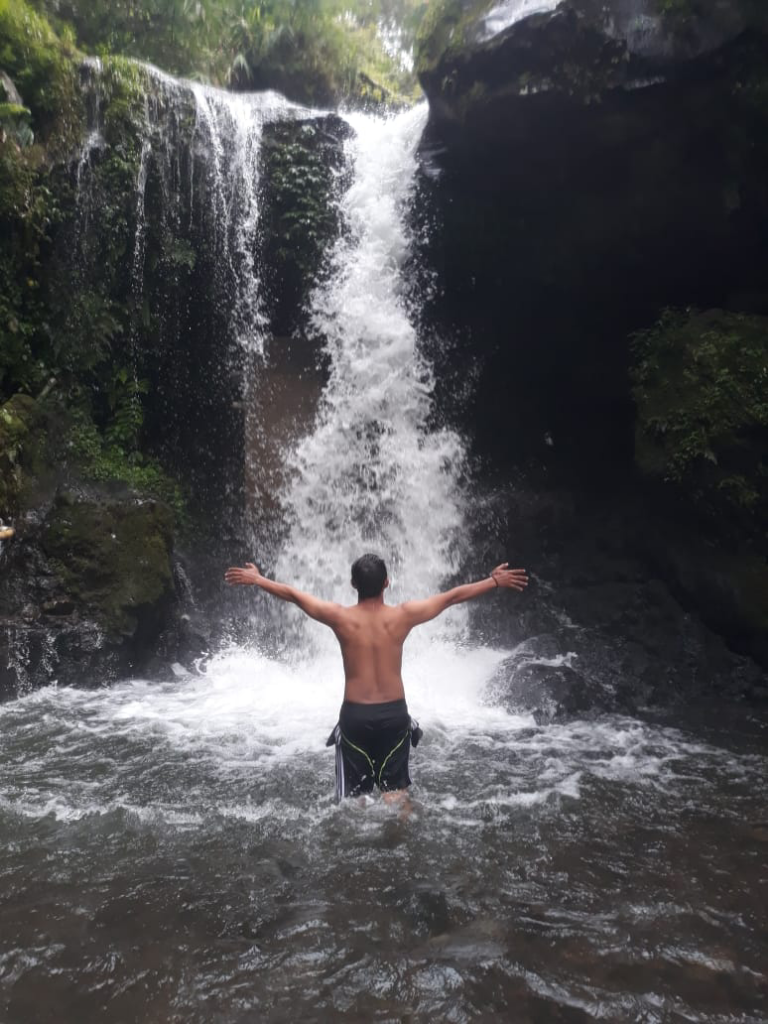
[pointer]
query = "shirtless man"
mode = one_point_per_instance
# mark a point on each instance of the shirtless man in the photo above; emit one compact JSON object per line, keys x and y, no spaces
{"x":373,"y":737}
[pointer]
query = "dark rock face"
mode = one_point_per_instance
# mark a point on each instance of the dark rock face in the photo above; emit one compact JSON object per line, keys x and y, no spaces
{"x":603,"y":626}
{"x":585,"y":168}
{"x":559,"y":233}
{"x":477,"y":57}
{"x":86,"y":593}
{"x":568,"y":216}
{"x":302,"y":166}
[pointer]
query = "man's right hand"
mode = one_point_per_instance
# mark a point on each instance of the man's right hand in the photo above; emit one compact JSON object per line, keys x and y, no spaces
{"x":514,"y":579}
{"x":243,"y":577}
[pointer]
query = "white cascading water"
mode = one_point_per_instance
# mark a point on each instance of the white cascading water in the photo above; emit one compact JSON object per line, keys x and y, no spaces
{"x":225,"y":147}
{"x":371,"y":476}
{"x":230,"y":125}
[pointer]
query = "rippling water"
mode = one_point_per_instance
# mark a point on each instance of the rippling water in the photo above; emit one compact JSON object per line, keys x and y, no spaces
{"x":173,"y":853}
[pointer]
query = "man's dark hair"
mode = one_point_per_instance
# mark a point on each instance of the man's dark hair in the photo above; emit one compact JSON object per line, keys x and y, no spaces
{"x":369,"y":575}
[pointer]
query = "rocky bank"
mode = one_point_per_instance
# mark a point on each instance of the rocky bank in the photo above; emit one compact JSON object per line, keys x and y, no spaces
{"x":589,"y":169}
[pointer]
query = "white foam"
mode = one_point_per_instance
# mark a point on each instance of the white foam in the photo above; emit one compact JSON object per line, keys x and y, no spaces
{"x":509,"y":12}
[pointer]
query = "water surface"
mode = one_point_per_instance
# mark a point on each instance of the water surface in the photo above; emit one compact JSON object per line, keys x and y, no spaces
{"x":172,"y":852}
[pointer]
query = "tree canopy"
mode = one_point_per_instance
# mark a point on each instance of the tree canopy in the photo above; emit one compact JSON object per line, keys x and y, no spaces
{"x":319,"y":51}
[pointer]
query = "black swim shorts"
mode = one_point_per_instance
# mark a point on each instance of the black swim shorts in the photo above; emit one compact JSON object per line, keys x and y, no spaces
{"x":373,"y":744}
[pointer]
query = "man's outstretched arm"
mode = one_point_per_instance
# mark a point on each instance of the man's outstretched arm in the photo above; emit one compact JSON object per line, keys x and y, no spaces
{"x":324,"y":611}
{"x":417,"y":612}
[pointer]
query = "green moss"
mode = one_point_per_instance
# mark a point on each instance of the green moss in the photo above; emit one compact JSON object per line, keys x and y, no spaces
{"x":13,"y":111}
{"x":701,"y":388}
{"x":44,"y":68}
{"x":301,"y":209}
{"x":113,"y":560}
{"x":446,"y":29}
{"x":123,"y":88}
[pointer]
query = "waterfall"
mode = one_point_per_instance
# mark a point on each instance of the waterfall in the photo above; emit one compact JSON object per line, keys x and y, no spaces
{"x":372,"y":475}
{"x":375,"y":471}
{"x":220,"y":145}
{"x":230,"y":128}
{"x":184,"y":269}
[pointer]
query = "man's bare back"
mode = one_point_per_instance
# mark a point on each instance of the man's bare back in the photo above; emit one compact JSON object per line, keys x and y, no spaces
{"x":371,"y":635}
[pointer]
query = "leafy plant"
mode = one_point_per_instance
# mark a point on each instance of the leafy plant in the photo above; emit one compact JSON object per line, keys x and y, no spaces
{"x":101,"y":458}
{"x":319,"y":50}
{"x":127,"y":416}
{"x":701,"y":388}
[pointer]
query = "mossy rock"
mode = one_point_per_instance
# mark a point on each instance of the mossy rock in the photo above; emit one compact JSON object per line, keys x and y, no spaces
{"x":112,"y":559}
{"x":302,"y":164}
{"x":448,"y":27}
{"x":476,"y":59}
{"x":20,"y":445}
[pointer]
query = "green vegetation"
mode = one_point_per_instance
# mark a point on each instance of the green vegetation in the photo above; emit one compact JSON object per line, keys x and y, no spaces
{"x":444,"y":28}
{"x":41,"y":66}
{"x":63,"y":322}
{"x":317,"y":51}
{"x":300,"y":181}
{"x":33,"y":135}
{"x":701,"y":387}
{"x":103,"y":459}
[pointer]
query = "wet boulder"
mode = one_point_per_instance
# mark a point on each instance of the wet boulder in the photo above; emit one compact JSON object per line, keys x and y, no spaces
{"x":87,"y":592}
{"x":477,"y":60}
{"x":551,"y":693}
{"x":540,"y":679}
{"x":111,"y":559}
{"x":302,"y":164}
{"x":21,"y":439}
